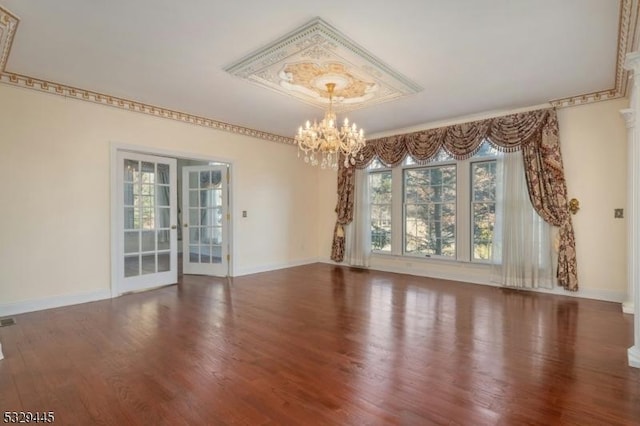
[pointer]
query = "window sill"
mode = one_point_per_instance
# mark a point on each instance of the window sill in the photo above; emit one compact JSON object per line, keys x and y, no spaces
{"x":447,"y":269}
{"x":435,"y":259}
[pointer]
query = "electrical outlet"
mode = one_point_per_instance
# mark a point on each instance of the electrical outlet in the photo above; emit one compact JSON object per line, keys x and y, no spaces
{"x":618,"y":213}
{"x":244,"y":213}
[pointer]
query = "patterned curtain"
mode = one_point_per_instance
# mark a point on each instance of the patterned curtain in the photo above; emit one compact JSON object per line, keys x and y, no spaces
{"x":535,"y":133}
{"x":344,"y":209}
{"x":548,"y":194}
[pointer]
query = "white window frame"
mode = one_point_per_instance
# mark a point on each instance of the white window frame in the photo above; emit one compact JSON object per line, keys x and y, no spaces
{"x":404,"y":233}
{"x":464,"y":228}
{"x":382,"y":170}
{"x":476,"y":160}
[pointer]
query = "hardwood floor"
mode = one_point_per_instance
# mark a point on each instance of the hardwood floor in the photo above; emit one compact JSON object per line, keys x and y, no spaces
{"x":320,"y":344}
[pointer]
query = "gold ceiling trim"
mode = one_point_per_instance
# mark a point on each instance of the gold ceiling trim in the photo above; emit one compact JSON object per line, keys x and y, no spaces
{"x":129,"y":105}
{"x":627,"y":43}
{"x":8,"y":26}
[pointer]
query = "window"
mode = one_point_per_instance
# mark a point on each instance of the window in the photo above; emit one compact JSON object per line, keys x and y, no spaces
{"x":430,"y":210}
{"x":483,"y":207}
{"x":442,"y":208}
{"x":380,"y":207}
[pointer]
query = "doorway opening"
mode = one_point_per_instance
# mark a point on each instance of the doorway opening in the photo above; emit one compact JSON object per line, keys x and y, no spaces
{"x":171,"y":215}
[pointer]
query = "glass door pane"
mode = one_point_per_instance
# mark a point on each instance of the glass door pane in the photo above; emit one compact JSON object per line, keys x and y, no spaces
{"x":205,"y":198}
{"x":148,"y":197}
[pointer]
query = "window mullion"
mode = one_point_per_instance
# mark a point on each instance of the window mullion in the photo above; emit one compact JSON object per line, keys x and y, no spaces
{"x":463,"y":218}
{"x":430,"y":206}
{"x":397,"y":211}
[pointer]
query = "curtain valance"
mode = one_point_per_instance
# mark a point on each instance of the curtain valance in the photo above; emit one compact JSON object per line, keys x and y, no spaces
{"x":534,"y":133}
{"x":461,"y":141}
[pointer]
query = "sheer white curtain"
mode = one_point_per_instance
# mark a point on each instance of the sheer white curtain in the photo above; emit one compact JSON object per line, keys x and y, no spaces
{"x":522,"y":249}
{"x":358,"y":232}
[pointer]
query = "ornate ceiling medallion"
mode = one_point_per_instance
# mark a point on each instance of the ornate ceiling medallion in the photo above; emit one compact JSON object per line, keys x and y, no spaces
{"x":301,"y":63}
{"x":311,"y":80}
{"x":8,"y":26}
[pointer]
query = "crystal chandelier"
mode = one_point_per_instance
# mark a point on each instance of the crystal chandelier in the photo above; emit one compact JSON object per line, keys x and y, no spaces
{"x":322,"y":143}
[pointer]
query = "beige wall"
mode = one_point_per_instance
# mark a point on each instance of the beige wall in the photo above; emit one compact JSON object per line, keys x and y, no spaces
{"x":593,"y":142}
{"x":327,"y":199}
{"x":55,"y":193}
{"x":593,"y":139}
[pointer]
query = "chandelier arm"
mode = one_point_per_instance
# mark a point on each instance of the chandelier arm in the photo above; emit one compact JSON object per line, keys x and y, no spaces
{"x":324,"y":142}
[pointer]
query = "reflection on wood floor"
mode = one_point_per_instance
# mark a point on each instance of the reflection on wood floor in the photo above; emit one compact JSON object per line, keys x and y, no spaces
{"x":321,"y":344}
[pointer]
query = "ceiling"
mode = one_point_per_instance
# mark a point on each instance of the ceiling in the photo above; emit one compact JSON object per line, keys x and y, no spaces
{"x":467,"y":56}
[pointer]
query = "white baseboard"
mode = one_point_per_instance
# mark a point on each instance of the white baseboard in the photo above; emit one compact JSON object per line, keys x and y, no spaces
{"x":587,"y":293}
{"x":273,"y":266}
{"x":627,"y":307}
{"x":473,"y":274}
{"x":15,"y":308}
{"x":469,"y":276}
{"x":453,"y":271}
{"x":634,"y":356}
{"x":21,"y":307}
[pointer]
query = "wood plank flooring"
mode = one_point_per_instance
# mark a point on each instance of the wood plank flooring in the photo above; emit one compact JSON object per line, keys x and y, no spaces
{"x":321,"y":344}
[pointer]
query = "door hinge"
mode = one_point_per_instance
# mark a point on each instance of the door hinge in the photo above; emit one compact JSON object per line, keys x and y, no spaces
{"x":228,"y":257}
{"x":228,"y":216}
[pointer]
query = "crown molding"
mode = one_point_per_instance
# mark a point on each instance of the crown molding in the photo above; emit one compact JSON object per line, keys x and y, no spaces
{"x":8,"y":26}
{"x":129,"y":105}
{"x":628,"y":36}
{"x":627,"y":43}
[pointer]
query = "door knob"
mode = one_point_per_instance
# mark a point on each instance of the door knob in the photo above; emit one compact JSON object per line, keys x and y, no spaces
{"x":173,"y":226}
{"x":186,"y":225}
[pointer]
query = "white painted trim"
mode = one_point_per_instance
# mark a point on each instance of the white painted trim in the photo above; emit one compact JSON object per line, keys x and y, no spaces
{"x":587,"y":293}
{"x":632,"y":116}
{"x":184,"y":155}
{"x":469,"y":272}
{"x":1,"y":356}
{"x":231,"y":228}
{"x":274,"y":266}
{"x":113,"y":220}
{"x":634,"y":356}
{"x":628,"y":115}
{"x":21,"y":307}
{"x":627,"y":307}
{"x":473,"y":273}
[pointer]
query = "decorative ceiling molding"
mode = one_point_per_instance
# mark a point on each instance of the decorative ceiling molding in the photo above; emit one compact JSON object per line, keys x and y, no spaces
{"x":8,"y":26}
{"x":300,"y":63}
{"x":627,"y":42}
{"x":129,"y":105}
{"x":628,"y":36}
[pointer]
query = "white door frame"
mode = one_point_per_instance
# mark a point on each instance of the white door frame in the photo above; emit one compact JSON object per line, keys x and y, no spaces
{"x":141,"y":149}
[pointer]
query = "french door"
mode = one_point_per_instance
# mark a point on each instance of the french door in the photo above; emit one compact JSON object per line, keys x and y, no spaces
{"x":206,"y":221}
{"x":147,"y":216}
